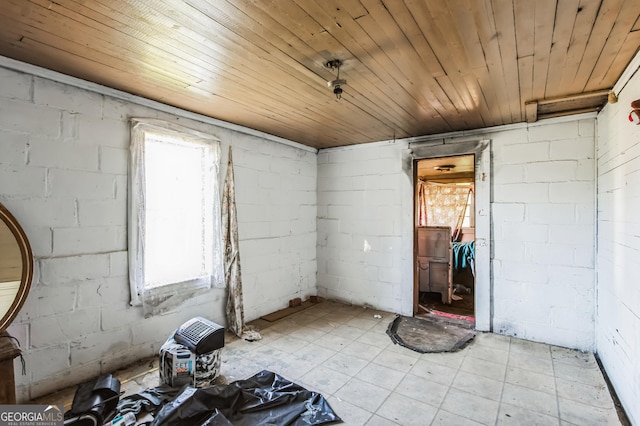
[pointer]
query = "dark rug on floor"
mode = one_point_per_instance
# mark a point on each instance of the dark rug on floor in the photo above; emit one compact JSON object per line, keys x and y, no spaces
{"x":426,"y":335}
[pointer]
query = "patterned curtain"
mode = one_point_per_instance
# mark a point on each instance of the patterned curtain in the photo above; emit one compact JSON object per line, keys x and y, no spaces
{"x":442,"y":205}
{"x":232,"y":275}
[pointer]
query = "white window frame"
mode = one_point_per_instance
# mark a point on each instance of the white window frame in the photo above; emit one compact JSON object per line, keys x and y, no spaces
{"x":161,"y":298}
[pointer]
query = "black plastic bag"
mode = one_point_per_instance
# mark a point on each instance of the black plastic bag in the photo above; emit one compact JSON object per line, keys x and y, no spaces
{"x":94,"y":402}
{"x":264,"y":399}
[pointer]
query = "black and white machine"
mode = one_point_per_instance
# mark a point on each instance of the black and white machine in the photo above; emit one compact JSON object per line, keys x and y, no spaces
{"x":200,"y":335}
{"x":192,"y":355}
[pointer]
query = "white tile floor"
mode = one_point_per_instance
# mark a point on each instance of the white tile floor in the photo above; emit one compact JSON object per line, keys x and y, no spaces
{"x":344,"y":353}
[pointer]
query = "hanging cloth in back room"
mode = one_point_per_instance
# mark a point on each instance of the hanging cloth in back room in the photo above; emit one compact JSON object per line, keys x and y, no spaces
{"x":232,"y":274}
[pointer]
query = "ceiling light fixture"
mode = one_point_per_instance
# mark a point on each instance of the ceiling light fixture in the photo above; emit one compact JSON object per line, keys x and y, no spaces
{"x":336,"y":84}
{"x":445,"y":167}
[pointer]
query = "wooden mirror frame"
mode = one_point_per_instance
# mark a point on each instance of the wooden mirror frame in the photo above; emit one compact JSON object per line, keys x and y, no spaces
{"x":27,"y":267}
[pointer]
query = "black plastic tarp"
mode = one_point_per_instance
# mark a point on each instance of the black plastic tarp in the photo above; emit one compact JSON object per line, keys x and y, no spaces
{"x":264,"y":399}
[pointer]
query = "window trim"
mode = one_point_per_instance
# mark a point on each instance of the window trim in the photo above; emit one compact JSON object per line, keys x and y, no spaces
{"x":163,"y":298}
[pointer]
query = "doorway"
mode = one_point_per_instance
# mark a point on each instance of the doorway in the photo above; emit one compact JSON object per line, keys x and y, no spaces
{"x":444,"y":236}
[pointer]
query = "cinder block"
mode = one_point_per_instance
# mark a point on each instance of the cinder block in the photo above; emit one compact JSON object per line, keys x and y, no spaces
{"x":119,"y":264}
{"x":87,"y":185}
{"x":552,"y":171}
{"x":552,"y":132}
{"x":571,"y":192}
{"x":551,"y":214}
{"x":104,"y":213}
{"x":69,"y":126}
{"x":47,"y":361}
{"x":380,"y":151}
{"x":13,"y":149}
{"x":15,"y":85}
{"x":390,"y":275}
{"x":113,"y":317}
{"x":584,"y":257}
{"x":525,"y":232}
{"x":62,"y":155}
{"x":580,"y":235}
{"x":158,"y":328}
{"x":573,"y":149}
{"x":257,"y":162}
{"x":40,"y":239}
{"x":74,"y":268}
{"x":112,"y":292}
{"x":98,"y":239}
{"x":550,"y":254}
{"x":586,"y":170}
{"x":18,"y":116}
{"x":522,"y":193}
{"x":374,"y":167}
{"x":103,"y":131}
{"x":47,"y":332}
{"x":522,"y":154}
{"x":80,"y":322}
{"x":22,"y":181}
{"x":380,"y":182}
{"x":59,"y":298}
{"x":382,"y":198}
{"x":346,"y":155}
{"x":509,"y":250}
{"x":92,"y":347}
{"x":507,"y":212}
{"x":112,"y":361}
{"x":114,"y":160}
{"x":587,"y":127}
{"x":508,"y":173}
{"x":571,"y":276}
{"x":52,"y":383}
{"x":120,"y":110}
{"x":525,"y":272}
{"x":62,"y":96}
{"x":20,"y":332}
{"x":44,"y":212}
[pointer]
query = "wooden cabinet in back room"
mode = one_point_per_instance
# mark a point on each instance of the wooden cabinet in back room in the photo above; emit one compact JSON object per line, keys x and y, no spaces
{"x":434,"y":260}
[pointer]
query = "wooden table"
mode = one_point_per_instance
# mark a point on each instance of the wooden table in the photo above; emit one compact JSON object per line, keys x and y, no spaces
{"x":8,"y":351}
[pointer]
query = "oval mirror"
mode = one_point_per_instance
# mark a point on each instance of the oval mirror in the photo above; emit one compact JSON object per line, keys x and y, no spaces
{"x":16,"y":267}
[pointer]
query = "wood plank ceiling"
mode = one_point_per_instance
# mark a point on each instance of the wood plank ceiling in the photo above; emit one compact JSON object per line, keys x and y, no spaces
{"x":413,"y":67}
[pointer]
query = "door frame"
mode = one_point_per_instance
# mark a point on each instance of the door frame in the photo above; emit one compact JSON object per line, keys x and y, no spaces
{"x":481,"y":149}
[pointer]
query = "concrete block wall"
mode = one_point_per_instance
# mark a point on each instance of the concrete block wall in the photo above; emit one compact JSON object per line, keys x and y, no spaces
{"x":542,"y":207}
{"x":360,"y":209}
{"x":618,"y":314}
{"x":543,"y":213}
{"x":63,"y":174}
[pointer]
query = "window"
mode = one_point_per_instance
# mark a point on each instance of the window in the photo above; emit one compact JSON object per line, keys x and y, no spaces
{"x":469,"y":212}
{"x":175,"y":244}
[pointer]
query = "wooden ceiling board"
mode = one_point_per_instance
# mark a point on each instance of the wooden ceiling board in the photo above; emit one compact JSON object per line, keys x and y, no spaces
{"x":452,"y":56}
{"x":628,"y":50}
{"x":318,"y":120}
{"x":617,"y":39}
{"x":568,"y":10}
{"x":364,"y":84}
{"x":544,"y":22}
{"x":503,"y":12}
{"x":377,"y":109}
{"x":413,"y":67}
{"x":524,"y":38}
{"x":53,"y":31}
{"x":373,"y":57}
{"x":600,"y":30}
{"x":491,"y":67}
